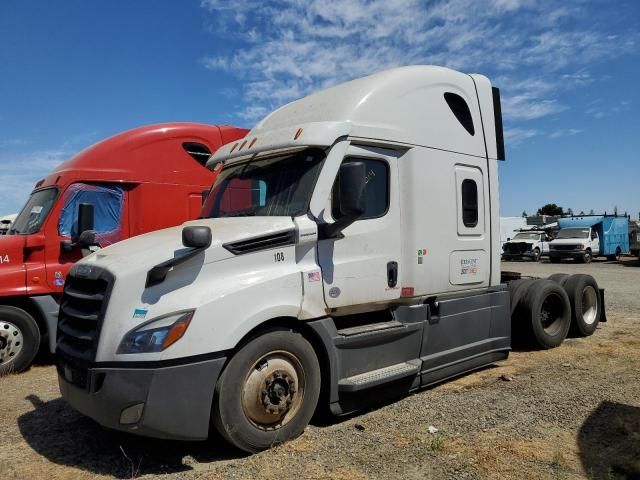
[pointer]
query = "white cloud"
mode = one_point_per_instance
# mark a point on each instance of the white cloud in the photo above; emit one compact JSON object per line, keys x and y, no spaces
{"x":517,"y":135}
{"x":21,"y":171}
{"x":565,"y":132}
{"x":535,"y":50}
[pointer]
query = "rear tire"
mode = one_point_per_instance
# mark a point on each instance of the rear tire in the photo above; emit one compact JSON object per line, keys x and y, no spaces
{"x":560,"y":278}
{"x":587,"y":256}
{"x":19,"y":339}
{"x":586,"y":308}
{"x":546,"y":312}
{"x":517,"y":288}
{"x":268,"y":391}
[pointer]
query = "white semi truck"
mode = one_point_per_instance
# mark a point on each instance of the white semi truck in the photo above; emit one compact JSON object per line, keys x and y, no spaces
{"x":348,"y":250}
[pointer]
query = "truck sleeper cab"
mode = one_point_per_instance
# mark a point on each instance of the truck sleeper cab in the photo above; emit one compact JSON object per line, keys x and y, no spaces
{"x":349,"y":246}
{"x":141,"y":180}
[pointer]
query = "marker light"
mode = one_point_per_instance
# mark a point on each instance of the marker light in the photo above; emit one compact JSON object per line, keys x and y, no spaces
{"x":252,"y":142}
{"x":242,"y":146}
{"x":156,"y":335}
{"x":298,"y":133}
{"x":233,"y":148}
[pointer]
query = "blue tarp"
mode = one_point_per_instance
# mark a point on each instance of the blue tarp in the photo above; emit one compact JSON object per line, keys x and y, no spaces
{"x":107,"y":207}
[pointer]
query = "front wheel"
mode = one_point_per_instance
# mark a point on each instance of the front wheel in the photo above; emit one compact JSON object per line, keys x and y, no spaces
{"x":19,"y":339}
{"x":536,"y":255}
{"x":586,"y":257}
{"x":268,"y":392}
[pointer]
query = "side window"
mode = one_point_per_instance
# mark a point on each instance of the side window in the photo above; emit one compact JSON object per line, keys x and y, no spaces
{"x":594,"y":235}
{"x":107,"y":204}
{"x":469,"y":203}
{"x":376,"y":190}
{"x":469,"y":200}
{"x":460,"y":109}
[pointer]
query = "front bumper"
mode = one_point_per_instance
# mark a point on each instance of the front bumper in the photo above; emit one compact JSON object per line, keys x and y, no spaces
{"x":510,"y":255}
{"x":566,"y":253}
{"x":176,"y":400}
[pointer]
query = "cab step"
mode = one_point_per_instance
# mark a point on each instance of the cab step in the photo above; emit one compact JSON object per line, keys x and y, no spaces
{"x":369,"y":328}
{"x":380,"y":376}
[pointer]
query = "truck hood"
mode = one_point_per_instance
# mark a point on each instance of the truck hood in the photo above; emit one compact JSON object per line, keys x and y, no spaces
{"x":146,"y":251}
{"x":11,"y":251}
{"x":569,"y":241}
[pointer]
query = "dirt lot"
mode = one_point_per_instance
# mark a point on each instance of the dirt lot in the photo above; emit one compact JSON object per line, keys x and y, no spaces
{"x":572,"y":412}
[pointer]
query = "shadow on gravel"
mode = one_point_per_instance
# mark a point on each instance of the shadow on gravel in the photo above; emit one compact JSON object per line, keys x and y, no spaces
{"x":609,"y":442}
{"x":65,"y":437}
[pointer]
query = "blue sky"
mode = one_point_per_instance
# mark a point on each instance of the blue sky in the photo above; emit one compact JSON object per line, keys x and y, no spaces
{"x":73,"y":72}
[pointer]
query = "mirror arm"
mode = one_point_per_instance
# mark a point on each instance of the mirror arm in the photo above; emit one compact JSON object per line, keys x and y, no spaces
{"x":158,"y":273}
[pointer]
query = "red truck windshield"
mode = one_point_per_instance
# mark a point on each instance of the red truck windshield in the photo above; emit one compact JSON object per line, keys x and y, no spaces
{"x":35,"y":211}
{"x":275,"y":186}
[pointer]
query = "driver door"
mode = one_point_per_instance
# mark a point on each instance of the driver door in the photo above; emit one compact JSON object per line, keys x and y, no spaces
{"x":363,"y":266}
{"x":109,"y":224}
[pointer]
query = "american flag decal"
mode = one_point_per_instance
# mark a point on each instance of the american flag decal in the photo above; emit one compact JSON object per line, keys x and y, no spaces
{"x":313,"y":276}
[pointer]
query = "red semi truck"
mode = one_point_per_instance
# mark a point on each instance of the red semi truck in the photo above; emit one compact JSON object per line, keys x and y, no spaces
{"x":135,"y":182}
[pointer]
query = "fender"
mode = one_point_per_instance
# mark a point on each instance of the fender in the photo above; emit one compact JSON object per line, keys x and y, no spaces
{"x":48,"y":308}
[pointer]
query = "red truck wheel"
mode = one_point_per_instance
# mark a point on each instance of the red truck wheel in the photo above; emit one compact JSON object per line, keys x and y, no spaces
{"x":19,"y":339}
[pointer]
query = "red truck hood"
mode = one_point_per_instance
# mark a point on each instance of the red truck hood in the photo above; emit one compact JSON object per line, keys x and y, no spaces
{"x":11,"y":251}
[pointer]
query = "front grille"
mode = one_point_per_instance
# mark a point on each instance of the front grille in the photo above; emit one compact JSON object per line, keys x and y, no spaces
{"x":564,"y":247}
{"x":264,"y":242}
{"x":517,"y":247}
{"x":82,"y":310}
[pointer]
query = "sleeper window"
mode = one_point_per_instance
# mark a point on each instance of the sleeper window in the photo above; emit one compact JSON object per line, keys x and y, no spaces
{"x":461,"y":111}
{"x":376,"y":190}
{"x":469,"y":203}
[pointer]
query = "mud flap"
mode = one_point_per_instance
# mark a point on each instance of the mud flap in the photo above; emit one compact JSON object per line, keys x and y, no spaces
{"x":603,"y":312}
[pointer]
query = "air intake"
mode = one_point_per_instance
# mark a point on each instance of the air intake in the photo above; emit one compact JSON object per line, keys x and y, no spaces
{"x":264,"y":242}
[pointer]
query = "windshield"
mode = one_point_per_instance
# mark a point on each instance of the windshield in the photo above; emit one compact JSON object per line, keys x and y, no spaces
{"x":573,"y":233}
{"x":275,"y":186}
{"x":34,"y":213}
{"x":527,"y":236}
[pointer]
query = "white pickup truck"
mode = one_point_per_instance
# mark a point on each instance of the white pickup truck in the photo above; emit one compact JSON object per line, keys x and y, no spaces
{"x":530,"y":244}
{"x":348,"y":251}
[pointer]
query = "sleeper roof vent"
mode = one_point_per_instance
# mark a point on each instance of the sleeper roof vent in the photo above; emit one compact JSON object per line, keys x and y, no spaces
{"x":199,"y":152}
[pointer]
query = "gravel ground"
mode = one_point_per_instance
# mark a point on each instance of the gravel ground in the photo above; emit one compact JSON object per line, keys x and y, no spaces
{"x":571,"y":412}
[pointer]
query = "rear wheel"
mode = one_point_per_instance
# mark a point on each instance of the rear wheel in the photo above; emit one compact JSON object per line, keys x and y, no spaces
{"x":584,"y":298}
{"x":268,"y":392}
{"x":546,"y":311}
{"x":19,"y":339}
{"x":516,"y":290}
{"x":560,"y":278}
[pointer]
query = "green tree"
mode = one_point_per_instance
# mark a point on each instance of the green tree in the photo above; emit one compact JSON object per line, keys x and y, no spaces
{"x":551,"y":209}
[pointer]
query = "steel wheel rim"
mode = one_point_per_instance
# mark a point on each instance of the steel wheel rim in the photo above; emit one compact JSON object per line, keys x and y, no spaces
{"x":273,"y":390}
{"x":551,"y":314}
{"x":11,"y":342}
{"x":589,"y":305}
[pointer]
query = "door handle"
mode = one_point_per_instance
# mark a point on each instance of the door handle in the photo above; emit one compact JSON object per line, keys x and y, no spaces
{"x":392,"y":274}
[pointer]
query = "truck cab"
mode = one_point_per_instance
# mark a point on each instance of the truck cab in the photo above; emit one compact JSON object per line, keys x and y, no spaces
{"x":531,"y":244}
{"x":349,"y":250}
{"x":5,"y":223}
{"x":135,"y":182}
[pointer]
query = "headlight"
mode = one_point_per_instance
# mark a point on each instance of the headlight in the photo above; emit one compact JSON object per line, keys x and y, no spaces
{"x":582,"y":246}
{"x":156,"y":335}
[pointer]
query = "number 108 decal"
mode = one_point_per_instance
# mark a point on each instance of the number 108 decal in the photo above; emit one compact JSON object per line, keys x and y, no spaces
{"x":278,"y":256}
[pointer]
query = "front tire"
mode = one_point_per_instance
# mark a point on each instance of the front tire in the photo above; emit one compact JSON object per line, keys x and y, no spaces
{"x":268,"y":391}
{"x":536,"y":255}
{"x":19,"y":339}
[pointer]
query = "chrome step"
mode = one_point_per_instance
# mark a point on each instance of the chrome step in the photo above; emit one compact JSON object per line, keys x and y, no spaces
{"x":380,"y":376}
